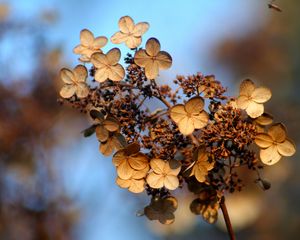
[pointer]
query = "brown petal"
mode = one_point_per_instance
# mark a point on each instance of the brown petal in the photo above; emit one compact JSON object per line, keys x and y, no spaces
{"x":287,"y":148}
{"x":138,"y":174}
{"x":242,"y":102}
{"x":200,"y":120}
{"x":119,"y":157}
{"x":132,"y":148}
{"x":123,"y":183}
{"x":126,"y":24}
{"x":247,"y":87}
{"x":277,"y":132}
{"x":137,"y":186}
{"x":270,"y":156}
{"x":86,"y":37}
{"x":265,"y":119}
{"x":152,"y":47}
{"x":116,"y":73}
{"x":177,"y":113}
{"x":261,"y":95}
{"x":67,"y":76}
{"x":113,"y":56}
{"x":81,"y":73}
{"x":82,"y":90}
{"x":67,"y":91}
{"x":99,"y":60}
{"x":102,"y":74}
{"x":186,"y":126}
{"x":111,"y":124}
{"x":138,"y":161}
{"x":140,"y":29}
{"x":102,"y":134}
{"x":106,"y":148}
{"x":141,"y":58}
{"x":263,"y":140}
{"x":194,"y":105}
{"x":151,"y":69}
{"x":254,"y":109}
{"x":124,"y":170}
{"x":164,"y":60}
{"x":158,"y":165}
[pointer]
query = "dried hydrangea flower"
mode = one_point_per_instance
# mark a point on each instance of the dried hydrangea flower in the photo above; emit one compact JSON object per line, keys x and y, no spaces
{"x":164,"y":174}
{"x":129,"y":160}
{"x":152,"y":59}
{"x":274,"y":144}
{"x":130,"y":33}
{"x":190,"y":116}
{"x":114,"y":142}
{"x":162,"y":209}
{"x":75,"y":82}
{"x":89,"y":45}
{"x":251,"y":98}
{"x":202,"y":165}
{"x":107,"y":66}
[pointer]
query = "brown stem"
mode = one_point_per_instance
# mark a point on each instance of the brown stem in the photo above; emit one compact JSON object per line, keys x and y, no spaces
{"x":227,"y":219}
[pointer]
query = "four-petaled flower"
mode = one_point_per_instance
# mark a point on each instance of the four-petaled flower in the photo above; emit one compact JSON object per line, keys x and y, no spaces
{"x":107,"y":66}
{"x":190,"y":116}
{"x":162,"y":210}
{"x":75,"y":82}
{"x":152,"y":59}
{"x":274,"y":144}
{"x":89,"y":45}
{"x":130,"y":33}
{"x":202,"y":165}
{"x":251,"y":98}
{"x":164,"y":174}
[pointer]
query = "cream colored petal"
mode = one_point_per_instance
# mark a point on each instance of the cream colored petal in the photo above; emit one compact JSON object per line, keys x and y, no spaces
{"x":152,"y":47}
{"x":133,"y":42}
{"x":270,"y":156}
{"x":265,"y":119}
{"x":99,"y":42}
{"x":247,"y":87}
{"x":186,"y":126}
{"x":151,"y":69}
{"x":99,"y":60}
{"x":138,"y":174}
{"x":84,"y":58}
{"x":177,"y":113}
{"x":67,"y":91}
{"x":106,"y":148}
{"x":155,"y":180}
{"x":277,"y":132}
{"x":137,"y":186}
{"x":67,"y":76}
{"x":200,"y":173}
{"x":81,"y":73}
{"x":158,"y":165}
{"x":124,"y":170}
{"x":287,"y":148}
{"x":113,"y":56}
{"x":118,"y":158}
{"x":126,"y":24}
{"x":194,"y":105}
{"x":261,"y":95}
{"x":101,"y":133}
{"x":82,"y":90}
{"x":164,"y":60}
{"x":254,"y":109}
{"x":263,"y":140}
{"x":242,"y":102}
{"x":79,"y":49}
{"x":116,"y":73}
{"x":123,"y":183}
{"x":86,"y":37}
{"x":200,"y":120}
{"x":171,"y":182}
{"x":138,"y":161}
{"x":111,"y":124}
{"x":140,"y":29}
{"x":141,"y":58}
{"x":119,"y":37}
{"x":102,"y":74}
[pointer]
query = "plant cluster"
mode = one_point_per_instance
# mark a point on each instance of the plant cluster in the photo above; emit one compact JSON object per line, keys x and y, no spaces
{"x":199,"y":139}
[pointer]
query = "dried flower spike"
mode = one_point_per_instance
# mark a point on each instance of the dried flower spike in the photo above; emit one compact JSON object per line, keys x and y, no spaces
{"x":75,"y":82}
{"x":251,"y":98}
{"x":190,"y":116}
{"x":130,"y":33}
{"x":152,"y":59}
{"x":89,"y":45}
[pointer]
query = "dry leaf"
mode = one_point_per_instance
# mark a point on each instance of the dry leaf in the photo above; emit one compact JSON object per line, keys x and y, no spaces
{"x":274,"y":144}
{"x":129,"y":33}
{"x":190,"y":116}
{"x":75,"y":82}
{"x":152,"y":59}
{"x":107,"y":66}
{"x":164,"y":174}
{"x":89,"y":45}
{"x":251,"y":98}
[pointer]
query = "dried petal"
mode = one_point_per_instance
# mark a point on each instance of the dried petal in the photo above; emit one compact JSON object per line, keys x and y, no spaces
{"x":152,"y":47}
{"x":287,"y":148}
{"x":277,"y":132}
{"x":261,"y":95}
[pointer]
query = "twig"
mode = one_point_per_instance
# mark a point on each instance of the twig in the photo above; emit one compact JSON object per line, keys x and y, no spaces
{"x":227,"y":219}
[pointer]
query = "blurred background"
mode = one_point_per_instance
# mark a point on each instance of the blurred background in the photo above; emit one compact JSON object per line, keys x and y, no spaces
{"x":54,"y":184}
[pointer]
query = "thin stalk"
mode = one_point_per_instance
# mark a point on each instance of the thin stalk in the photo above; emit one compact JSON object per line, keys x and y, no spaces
{"x":227,"y":219}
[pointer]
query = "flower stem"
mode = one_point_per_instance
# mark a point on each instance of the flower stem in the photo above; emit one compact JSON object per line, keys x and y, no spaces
{"x":227,"y":219}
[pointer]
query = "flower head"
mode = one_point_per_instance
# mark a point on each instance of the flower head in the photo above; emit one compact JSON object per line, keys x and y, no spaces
{"x":152,"y":59}
{"x":129,"y":33}
{"x":162,"y":209}
{"x":251,"y":98}
{"x":190,"y":116}
{"x":274,"y":144}
{"x":202,"y":165}
{"x":89,"y":45}
{"x":75,"y":82}
{"x":107,"y":66}
{"x":164,"y":174}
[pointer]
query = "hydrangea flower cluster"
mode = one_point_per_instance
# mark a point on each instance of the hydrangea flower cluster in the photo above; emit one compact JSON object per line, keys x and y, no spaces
{"x":196,"y":139}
